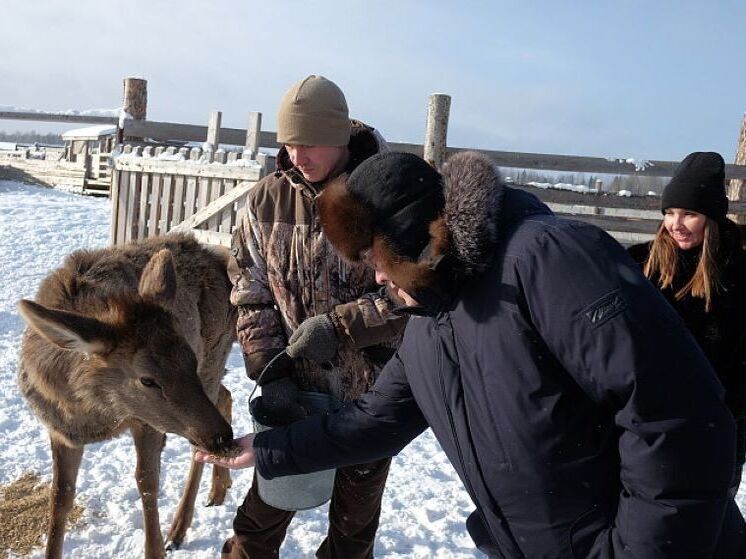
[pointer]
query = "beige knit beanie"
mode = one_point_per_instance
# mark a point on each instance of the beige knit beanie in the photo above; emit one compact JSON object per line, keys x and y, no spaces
{"x":313,"y":113}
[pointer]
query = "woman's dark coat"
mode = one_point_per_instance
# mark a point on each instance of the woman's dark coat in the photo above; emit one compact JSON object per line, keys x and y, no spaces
{"x":580,"y":414}
{"x":721,"y":333}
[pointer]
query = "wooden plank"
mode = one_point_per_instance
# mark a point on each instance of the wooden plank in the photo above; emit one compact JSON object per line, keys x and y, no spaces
{"x":268,"y":140}
{"x":122,"y":210}
{"x":57,"y":117}
{"x":216,"y":191}
{"x":203,"y":192}
{"x":114,"y":206}
{"x":550,"y":162}
{"x":178,"y":211}
{"x":142,"y":217}
{"x":415,"y":149}
{"x":155,"y":205}
{"x":190,"y":200}
{"x":133,"y":200}
{"x":226,"y":213}
{"x":187,"y":168}
{"x":163,"y":131}
{"x":212,"y":237}
{"x":202,"y":215}
{"x":581,"y":164}
{"x":618,"y":223}
{"x":166,"y":202}
{"x":576,"y":209}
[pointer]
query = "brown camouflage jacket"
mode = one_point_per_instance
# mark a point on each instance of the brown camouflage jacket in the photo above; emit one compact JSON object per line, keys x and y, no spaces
{"x":284,"y":270}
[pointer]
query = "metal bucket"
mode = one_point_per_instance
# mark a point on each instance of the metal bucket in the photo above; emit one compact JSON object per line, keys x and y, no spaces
{"x":302,"y":491}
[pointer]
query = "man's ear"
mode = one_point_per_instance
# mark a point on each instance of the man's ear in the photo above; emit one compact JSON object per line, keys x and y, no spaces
{"x":158,"y":280}
{"x":66,"y":329}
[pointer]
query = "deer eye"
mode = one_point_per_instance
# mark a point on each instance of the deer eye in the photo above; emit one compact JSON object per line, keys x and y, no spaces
{"x":149,"y":382}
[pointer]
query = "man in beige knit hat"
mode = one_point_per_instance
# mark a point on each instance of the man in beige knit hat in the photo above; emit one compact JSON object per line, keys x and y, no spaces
{"x":291,"y":287}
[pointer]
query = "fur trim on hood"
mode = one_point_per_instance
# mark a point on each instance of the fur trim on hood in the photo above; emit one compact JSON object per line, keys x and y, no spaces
{"x":462,"y":239}
{"x":474,"y":193}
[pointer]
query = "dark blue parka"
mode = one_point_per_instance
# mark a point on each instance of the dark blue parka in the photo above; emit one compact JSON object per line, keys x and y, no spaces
{"x":577,"y":410}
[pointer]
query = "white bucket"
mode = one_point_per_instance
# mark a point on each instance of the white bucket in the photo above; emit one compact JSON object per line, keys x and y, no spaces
{"x":302,"y":491}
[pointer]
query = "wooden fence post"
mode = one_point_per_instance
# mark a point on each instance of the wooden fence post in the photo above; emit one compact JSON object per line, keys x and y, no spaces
{"x":213,"y":130}
{"x":253,"y":128}
{"x":438,"y":107}
{"x":135,"y":103}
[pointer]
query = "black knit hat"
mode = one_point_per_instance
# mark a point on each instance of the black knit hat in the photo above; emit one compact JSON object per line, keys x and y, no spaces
{"x":403,"y":194}
{"x":698,"y":184}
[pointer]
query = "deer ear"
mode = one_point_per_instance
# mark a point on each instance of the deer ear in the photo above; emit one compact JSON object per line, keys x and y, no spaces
{"x":158,"y":280}
{"x":67,"y":329}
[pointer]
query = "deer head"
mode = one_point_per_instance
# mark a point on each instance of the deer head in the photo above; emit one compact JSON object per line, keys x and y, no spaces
{"x":132,"y":361}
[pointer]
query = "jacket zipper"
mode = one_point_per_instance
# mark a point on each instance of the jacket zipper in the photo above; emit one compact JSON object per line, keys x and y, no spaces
{"x":449,"y":413}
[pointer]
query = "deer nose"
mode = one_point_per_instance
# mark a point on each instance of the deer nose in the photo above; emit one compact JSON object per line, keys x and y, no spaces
{"x":222,"y":440}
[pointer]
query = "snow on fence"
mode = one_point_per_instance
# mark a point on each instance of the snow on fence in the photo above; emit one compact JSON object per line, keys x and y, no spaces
{"x":155,"y":191}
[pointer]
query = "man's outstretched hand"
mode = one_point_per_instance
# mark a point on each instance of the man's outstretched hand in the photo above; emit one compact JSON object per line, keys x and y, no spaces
{"x":241,"y":455}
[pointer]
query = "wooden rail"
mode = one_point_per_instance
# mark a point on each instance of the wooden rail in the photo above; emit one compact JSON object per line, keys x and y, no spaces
{"x":58,"y":117}
{"x":163,"y":131}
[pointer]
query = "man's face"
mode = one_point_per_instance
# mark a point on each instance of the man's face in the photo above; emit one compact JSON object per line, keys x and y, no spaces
{"x":316,"y":162}
{"x":397,"y":293}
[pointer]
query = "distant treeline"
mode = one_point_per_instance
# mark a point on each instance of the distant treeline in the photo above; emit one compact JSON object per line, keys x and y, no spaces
{"x":610,"y":183}
{"x":31,"y":137}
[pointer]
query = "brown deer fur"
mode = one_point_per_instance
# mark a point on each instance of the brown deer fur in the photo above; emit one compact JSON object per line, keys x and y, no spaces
{"x":131,"y":338}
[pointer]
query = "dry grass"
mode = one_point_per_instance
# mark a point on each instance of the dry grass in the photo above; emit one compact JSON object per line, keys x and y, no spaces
{"x":24,"y":514}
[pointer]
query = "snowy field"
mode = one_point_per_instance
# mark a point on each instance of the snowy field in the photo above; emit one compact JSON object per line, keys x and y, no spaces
{"x":424,"y":506}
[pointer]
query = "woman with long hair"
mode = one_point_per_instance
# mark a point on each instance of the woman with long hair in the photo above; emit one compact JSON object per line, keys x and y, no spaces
{"x":698,"y":262}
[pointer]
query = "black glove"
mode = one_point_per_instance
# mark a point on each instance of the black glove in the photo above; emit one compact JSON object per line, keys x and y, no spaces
{"x":315,"y":339}
{"x":278,"y":405}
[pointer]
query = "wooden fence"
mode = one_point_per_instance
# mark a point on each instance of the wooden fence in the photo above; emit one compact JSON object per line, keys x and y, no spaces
{"x":627,"y":223}
{"x":45,"y":167}
{"x":159,"y":189}
{"x":162,"y":190}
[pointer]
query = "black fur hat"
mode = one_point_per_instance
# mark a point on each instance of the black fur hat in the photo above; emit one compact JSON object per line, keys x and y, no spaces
{"x":395,"y":196}
{"x":698,"y":185}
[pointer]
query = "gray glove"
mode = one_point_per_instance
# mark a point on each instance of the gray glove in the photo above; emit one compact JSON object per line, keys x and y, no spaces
{"x":278,"y":404}
{"x":315,"y":339}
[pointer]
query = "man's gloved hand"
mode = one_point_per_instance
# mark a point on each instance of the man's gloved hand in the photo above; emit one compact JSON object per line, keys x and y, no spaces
{"x":278,"y":404}
{"x":315,"y":339}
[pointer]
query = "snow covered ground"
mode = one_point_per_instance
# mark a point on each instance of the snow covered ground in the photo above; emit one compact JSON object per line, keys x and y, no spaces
{"x":424,"y":506}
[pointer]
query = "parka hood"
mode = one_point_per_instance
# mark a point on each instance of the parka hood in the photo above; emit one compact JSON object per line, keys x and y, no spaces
{"x":478,"y":209}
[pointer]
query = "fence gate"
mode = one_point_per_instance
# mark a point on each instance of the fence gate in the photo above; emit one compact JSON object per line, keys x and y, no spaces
{"x":154,"y":193}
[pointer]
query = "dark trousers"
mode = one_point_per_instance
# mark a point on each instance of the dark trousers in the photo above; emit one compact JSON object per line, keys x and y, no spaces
{"x":353,"y":518}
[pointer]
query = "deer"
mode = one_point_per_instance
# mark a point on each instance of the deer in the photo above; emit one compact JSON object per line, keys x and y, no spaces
{"x":131,"y":338}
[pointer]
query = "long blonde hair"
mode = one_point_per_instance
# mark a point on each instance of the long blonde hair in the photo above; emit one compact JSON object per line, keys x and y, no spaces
{"x":663,"y":259}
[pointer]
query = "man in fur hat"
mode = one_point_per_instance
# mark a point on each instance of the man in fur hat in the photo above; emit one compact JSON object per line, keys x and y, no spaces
{"x":582,"y":418}
{"x":288,"y":281}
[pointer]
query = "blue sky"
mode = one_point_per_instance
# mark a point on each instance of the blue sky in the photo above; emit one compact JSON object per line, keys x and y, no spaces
{"x":629,"y":78}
